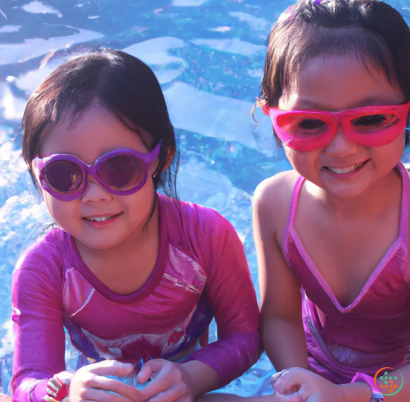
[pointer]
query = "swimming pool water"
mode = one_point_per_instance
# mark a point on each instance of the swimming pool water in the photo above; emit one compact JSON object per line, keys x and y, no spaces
{"x":208,"y":56}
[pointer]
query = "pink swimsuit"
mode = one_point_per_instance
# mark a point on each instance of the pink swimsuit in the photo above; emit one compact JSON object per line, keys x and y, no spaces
{"x":201,"y":273}
{"x":371,"y":333}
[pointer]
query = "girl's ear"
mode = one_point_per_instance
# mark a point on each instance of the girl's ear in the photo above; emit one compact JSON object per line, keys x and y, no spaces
{"x":169,"y":158}
{"x":33,"y":170}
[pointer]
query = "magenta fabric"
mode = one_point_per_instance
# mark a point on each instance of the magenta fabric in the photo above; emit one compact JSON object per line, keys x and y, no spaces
{"x":372,"y":332}
{"x":201,"y":273}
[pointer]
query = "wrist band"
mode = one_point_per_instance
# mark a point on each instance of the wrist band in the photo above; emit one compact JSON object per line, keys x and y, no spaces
{"x":377,"y":396}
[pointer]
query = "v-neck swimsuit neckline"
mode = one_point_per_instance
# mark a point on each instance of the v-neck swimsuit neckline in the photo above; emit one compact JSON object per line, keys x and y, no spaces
{"x":371,"y":332}
{"x":402,"y":239}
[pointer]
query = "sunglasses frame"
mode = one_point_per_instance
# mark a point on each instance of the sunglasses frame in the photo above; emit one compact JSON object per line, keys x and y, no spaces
{"x":41,"y":163}
{"x":336,"y":119}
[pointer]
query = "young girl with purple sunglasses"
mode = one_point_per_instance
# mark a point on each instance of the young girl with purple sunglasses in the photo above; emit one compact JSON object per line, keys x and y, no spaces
{"x":332,"y":235}
{"x":135,"y":277}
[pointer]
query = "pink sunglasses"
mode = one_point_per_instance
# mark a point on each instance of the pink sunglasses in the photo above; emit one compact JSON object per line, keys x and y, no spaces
{"x":306,"y":130}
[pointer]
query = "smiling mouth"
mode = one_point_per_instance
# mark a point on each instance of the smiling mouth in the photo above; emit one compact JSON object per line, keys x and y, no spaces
{"x":101,"y":218}
{"x":347,"y":169}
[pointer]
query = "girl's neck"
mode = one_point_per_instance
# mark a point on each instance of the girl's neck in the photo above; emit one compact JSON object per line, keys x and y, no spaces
{"x":373,"y":202}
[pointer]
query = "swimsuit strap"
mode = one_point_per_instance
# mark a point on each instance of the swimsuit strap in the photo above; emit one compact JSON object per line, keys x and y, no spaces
{"x":294,"y":204}
{"x":405,"y":204}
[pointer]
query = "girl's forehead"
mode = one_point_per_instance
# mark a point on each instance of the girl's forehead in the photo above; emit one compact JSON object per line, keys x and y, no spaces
{"x":94,"y":133}
{"x":338,"y":83}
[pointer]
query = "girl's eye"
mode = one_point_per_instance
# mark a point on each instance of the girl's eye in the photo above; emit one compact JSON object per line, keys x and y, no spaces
{"x":375,"y":122}
{"x":300,"y":125}
{"x":312,"y":124}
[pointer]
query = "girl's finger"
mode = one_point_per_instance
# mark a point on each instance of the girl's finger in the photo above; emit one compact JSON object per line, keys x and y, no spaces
{"x":160,"y":384}
{"x":91,"y":394}
{"x":290,"y":381}
{"x":167,"y":396}
{"x":107,"y":384}
{"x":149,"y":369}
{"x":111,"y":367}
{"x":289,"y":398}
{"x":276,"y":376}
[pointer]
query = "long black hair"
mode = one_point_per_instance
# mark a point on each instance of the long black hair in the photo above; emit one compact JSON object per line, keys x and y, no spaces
{"x":121,"y":83}
{"x":368,"y":29}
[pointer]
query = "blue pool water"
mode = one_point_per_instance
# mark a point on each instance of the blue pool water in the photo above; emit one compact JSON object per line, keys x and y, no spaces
{"x":208,"y":56}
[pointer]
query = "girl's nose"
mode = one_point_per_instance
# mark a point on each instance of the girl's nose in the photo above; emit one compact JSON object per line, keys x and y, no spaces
{"x":95,"y":192}
{"x":341,"y":146}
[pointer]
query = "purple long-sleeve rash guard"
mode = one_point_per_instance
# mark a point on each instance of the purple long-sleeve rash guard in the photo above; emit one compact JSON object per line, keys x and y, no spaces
{"x":201,"y":273}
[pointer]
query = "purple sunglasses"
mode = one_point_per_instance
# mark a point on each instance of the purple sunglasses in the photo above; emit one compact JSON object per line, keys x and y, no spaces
{"x":120,"y":172}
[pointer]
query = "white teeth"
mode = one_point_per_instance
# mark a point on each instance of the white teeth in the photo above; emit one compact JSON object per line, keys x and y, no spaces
{"x":345,"y":170}
{"x":99,"y":218}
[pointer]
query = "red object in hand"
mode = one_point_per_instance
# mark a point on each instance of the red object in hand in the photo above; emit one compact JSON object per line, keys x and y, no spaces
{"x":58,"y":387}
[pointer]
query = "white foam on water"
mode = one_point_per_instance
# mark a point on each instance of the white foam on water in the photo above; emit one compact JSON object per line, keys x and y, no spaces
{"x":255,"y":23}
{"x":218,"y":116}
{"x":167,"y":75}
{"x":3,"y":14}
{"x":235,"y":46}
{"x":10,"y":28}
{"x":221,"y":29}
{"x":30,"y":81}
{"x":7,"y":342}
{"x":212,"y":188}
{"x":12,"y":108}
{"x":36,"y":7}
{"x":11,"y":165}
{"x":35,"y":47}
{"x":198,"y":184}
{"x":154,"y":51}
{"x":258,"y":73}
{"x":187,"y":3}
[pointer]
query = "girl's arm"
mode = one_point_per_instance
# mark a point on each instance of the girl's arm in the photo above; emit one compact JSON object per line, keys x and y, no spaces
{"x":281,"y":316}
{"x":402,"y":396}
{"x":312,"y":387}
{"x":37,"y":290}
{"x":233,"y":398}
{"x":39,"y":335}
{"x":233,"y":302}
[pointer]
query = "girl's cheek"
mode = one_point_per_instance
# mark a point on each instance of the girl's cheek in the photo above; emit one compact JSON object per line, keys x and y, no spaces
{"x":303,"y":162}
{"x":60,"y":211}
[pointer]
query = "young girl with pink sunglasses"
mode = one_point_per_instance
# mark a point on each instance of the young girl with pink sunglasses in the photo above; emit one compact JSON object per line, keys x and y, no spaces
{"x":332,"y":235}
{"x":134,"y":277}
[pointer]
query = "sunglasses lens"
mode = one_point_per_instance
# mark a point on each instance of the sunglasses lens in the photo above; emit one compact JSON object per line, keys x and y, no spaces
{"x":122,"y":172}
{"x":372,"y":123}
{"x":301,"y":125}
{"x":63,"y":176}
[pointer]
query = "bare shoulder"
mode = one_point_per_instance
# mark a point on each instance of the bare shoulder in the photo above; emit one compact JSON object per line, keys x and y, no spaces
{"x":277,"y":190}
{"x":272,"y":200}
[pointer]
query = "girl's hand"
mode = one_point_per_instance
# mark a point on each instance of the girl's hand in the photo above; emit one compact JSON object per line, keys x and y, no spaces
{"x":89,"y":383}
{"x":300,"y":385}
{"x":171,"y":382}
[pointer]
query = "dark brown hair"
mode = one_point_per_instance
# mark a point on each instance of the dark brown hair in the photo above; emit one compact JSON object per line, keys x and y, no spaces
{"x":122,"y":84}
{"x":369,"y":29}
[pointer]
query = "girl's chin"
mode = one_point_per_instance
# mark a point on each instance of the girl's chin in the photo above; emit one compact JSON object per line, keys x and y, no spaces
{"x":345,"y":190}
{"x":99,"y":241}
